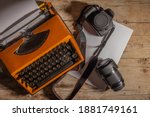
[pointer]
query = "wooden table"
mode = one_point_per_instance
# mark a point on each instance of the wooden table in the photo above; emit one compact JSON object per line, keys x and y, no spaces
{"x":134,"y":64}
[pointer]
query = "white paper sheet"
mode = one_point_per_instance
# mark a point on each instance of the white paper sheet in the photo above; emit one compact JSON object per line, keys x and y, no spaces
{"x":12,"y":10}
{"x":113,"y":49}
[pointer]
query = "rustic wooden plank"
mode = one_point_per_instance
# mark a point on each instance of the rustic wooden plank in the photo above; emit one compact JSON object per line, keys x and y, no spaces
{"x":131,"y":11}
{"x":138,"y":49}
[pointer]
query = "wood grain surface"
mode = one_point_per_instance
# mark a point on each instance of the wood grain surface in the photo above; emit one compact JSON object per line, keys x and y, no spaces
{"x":134,"y":64}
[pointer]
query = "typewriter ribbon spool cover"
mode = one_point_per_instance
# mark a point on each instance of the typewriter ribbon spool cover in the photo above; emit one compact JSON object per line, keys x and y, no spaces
{"x":58,"y":54}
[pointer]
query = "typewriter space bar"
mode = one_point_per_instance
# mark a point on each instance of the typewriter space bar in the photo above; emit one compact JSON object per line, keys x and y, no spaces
{"x":55,"y":73}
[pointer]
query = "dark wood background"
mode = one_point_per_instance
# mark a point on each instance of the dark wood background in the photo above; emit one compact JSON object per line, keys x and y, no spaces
{"x":134,"y":64}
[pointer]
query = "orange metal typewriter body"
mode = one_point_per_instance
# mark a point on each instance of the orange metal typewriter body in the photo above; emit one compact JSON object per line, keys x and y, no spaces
{"x":57,"y":55}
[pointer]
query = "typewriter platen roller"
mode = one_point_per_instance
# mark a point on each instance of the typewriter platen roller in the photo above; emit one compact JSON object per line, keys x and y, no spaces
{"x":41,"y":54}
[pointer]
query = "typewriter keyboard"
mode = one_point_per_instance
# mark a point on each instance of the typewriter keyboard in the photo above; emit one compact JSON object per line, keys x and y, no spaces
{"x":48,"y":66}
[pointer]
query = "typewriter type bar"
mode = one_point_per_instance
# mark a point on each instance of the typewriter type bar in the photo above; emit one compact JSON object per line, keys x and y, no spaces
{"x":56,"y":56}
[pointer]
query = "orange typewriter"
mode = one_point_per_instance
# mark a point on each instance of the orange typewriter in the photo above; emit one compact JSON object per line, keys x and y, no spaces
{"x":39,"y":51}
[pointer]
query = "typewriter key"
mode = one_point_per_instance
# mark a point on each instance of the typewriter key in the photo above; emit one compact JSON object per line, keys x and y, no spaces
{"x":42,"y":76}
{"x":41,"y":60}
{"x":64,"y":44}
{"x":30,"y":79}
{"x":35,"y":81}
{"x":49,"y":55}
{"x":47,"y":74}
{"x":34,"y":71}
{"x":42,"y":66}
{"x":62,"y":63}
{"x":37,"y":68}
{"x":26,"y":76}
{"x":50,"y":60}
{"x":57,"y":55}
{"x":68,"y":47}
{"x":53,"y":58}
{"x":57,"y":50}
{"x":60,"y":58}
{"x":60,"y":52}
{"x":38,"y":74}
{"x":37,"y":63}
{"x":74,"y":56}
{"x":58,"y":66}
{"x":34,"y":76}
{"x":68,"y":59}
{"x":54,"y":68}
{"x":69,"y":53}
{"x":30,"y":73}
{"x":60,"y":47}
{"x":64,"y":50}
{"x":50,"y":71}
{"x":46,"y":63}
{"x":57,"y":61}
{"x":39,"y":78}
{"x":22,"y":73}
{"x":45,"y":58}
{"x":52,"y":52}
{"x":53,"y":63}
{"x":42,"y":71}
{"x":46,"y":69}
{"x":32,"y":66}
{"x":25,"y":70}
{"x":29,"y":67}
{"x":49,"y":66}
{"x":31,"y":84}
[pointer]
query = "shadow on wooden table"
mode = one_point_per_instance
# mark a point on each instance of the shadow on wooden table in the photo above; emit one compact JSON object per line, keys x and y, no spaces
{"x":11,"y":84}
{"x":75,"y":8}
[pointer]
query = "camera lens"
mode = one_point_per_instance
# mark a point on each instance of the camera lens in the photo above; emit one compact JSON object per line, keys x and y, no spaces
{"x":101,"y":21}
{"x":108,"y":69}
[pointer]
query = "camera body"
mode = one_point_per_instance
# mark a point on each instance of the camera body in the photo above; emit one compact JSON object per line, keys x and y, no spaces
{"x":99,"y":19}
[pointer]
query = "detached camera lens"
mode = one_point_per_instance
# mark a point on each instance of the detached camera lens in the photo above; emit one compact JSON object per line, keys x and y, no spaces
{"x":111,"y":74}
